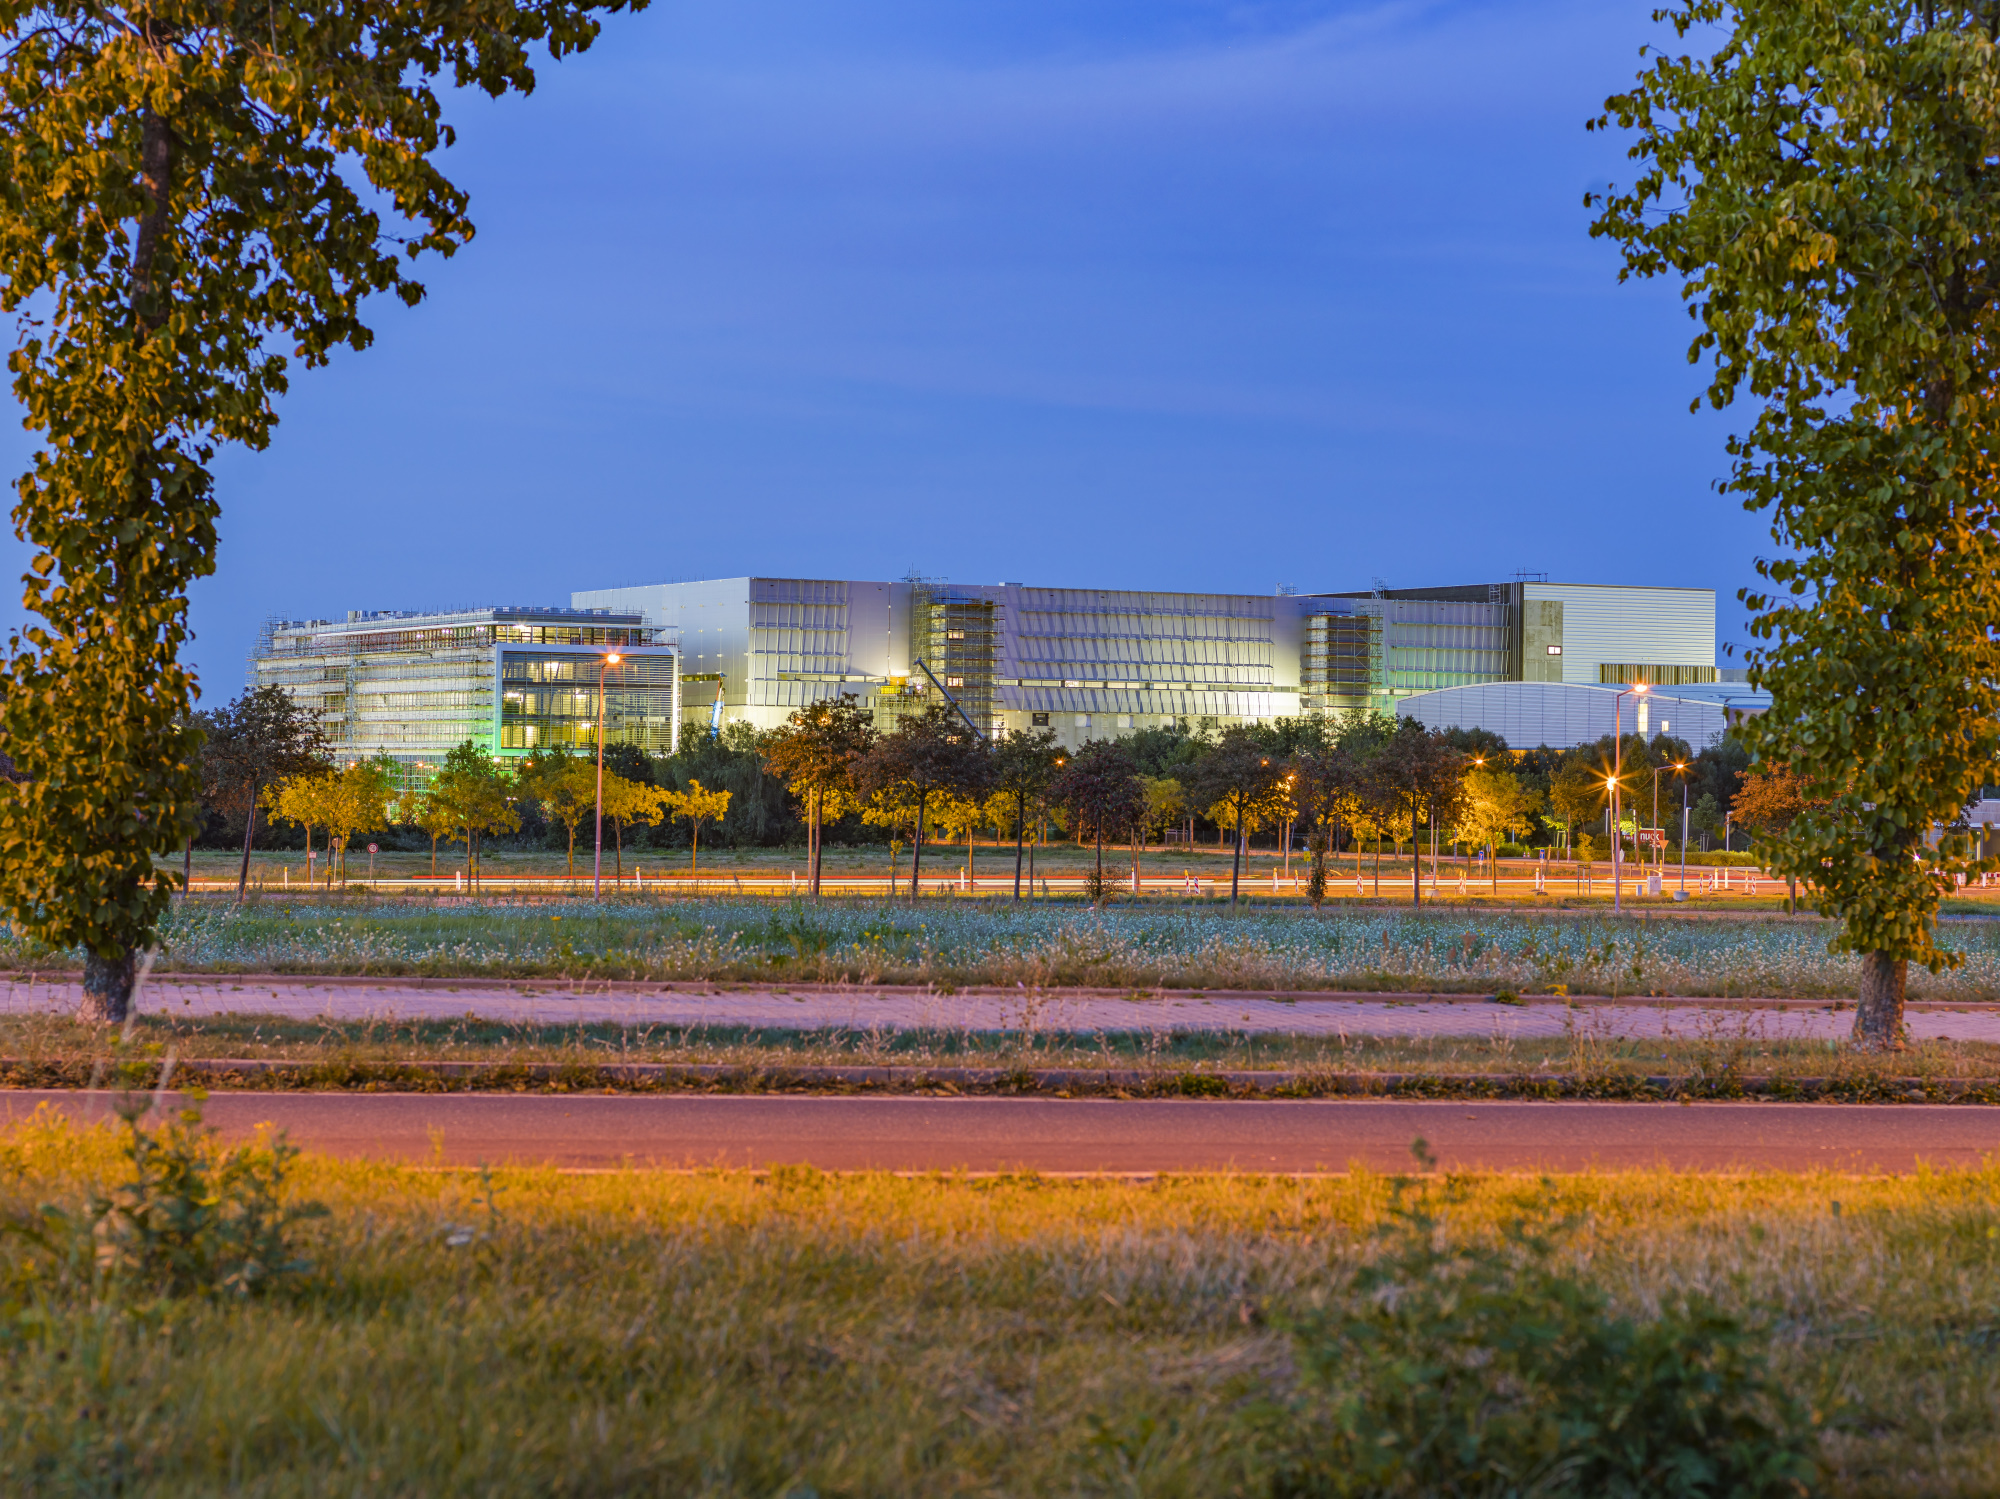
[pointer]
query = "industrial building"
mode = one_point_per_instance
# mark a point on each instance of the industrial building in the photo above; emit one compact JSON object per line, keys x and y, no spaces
{"x":413,"y":685}
{"x":1561,"y":714}
{"x":1090,"y":663}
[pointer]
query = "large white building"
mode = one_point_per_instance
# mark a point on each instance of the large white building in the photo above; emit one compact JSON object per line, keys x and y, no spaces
{"x":1090,"y":663}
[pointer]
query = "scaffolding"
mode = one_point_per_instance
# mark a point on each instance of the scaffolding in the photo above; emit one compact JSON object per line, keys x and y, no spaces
{"x":1341,"y":667}
{"x":510,"y":680}
{"x":956,"y":634}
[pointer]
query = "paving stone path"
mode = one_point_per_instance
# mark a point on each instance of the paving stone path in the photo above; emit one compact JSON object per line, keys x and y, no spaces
{"x":903,"y":1009}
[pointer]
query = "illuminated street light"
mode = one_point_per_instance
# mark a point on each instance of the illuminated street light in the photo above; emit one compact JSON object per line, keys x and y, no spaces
{"x":611,"y":659}
{"x":1637,"y":689}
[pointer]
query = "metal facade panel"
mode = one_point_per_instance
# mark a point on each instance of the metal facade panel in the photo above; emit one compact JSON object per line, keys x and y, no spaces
{"x":1561,"y":714}
{"x":1657,"y":626}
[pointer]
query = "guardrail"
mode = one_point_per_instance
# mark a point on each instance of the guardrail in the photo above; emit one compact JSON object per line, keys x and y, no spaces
{"x":1548,"y":880}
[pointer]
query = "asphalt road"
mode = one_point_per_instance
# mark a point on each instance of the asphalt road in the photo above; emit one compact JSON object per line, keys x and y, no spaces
{"x":1089,"y":1135}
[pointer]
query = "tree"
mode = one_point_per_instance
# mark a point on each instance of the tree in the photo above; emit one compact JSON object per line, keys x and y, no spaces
{"x":697,"y":806}
{"x":1238,"y":772}
{"x":474,"y":791}
{"x":1166,"y":802}
{"x":344,"y":802}
{"x":1823,"y":184}
{"x":565,"y":787}
{"x":927,"y":754}
{"x":815,"y":753}
{"x":1101,"y":790}
{"x":1419,"y":774}
{"x":435,"y":817}
{"x":960,"y":817}
{"x":1772,"y":798}
{"x":262,"y":737}
{"x":1579,"y":791}
{"x":1331,"y":789}
{"x":1495,"y":804}
{"x":181,"y":204}
{"x":1024,"y":766}
{"x":628,"y":801}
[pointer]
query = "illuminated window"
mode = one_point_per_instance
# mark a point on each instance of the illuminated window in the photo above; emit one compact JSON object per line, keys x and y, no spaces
{"x":954,"y":681}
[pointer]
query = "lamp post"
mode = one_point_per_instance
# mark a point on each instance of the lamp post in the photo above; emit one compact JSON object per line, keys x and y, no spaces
{"x":610,"y":660}
{"x":1637,"y":689}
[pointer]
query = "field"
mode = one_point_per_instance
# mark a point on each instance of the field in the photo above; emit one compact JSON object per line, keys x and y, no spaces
{"x":789,"y":1333}
{"x":955,"y":944}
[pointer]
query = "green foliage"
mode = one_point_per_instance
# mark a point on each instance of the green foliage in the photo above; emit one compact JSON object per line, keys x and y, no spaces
{"x":1454,"y":1364}
{"x":1822,"y":183}
{"x":191,"y":1219}
{"x":189,"y":196}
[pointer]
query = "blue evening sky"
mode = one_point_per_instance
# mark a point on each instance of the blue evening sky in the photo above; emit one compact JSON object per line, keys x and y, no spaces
{"x":1162,"y":294}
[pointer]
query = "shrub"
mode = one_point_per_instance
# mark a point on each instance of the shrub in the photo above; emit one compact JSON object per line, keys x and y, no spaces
{"x":1462,"y":1368}
{"x":190,"y":1219}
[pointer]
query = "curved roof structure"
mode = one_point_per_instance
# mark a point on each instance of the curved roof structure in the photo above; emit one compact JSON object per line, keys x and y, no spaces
{"x":1561,"y":714}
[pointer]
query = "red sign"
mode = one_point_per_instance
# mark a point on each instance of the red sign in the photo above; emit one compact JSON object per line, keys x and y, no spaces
{"x":373,"y":849}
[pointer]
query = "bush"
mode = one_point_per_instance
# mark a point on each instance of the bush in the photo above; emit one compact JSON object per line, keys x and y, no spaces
{"x":191,"y":1219}
{"x":1483,"y":1369}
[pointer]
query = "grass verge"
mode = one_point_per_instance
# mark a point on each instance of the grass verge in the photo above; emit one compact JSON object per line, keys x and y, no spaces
{"x":793,"y":1333}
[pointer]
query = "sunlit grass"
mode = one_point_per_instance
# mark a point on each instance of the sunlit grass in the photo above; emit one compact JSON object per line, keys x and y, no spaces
{"x":792,"y":1332}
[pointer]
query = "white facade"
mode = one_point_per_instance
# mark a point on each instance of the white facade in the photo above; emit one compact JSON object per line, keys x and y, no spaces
{"x":1562,"y":714}
{"x":1607,"y":623}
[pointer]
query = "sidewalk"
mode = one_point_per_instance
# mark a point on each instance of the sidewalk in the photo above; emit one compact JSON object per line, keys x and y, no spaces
{"x":861,"y":1009}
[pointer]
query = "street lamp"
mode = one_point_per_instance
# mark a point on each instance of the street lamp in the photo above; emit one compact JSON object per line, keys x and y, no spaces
{"x":1637,"y":689}
{"x":611,"y":659}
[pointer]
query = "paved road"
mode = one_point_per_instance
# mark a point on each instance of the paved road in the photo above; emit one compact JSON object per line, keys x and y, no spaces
{"x":1331,"y":1015}
{"x":1058,"y":1135}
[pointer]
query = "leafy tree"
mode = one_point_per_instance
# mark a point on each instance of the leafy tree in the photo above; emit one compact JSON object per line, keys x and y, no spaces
{"x":1771,"y":800}
{"x":1101,"y":791}
{"x":262,"y":737}
{"x":1579,"y":791}
{"x":698,"y":805}
{"x":627,"y":802}
{"x":1164,"y":750}
{"x":434,"y":816}
{"x":816,"y":752}
{"x":1420,"y":775}
{"x":1024,"y":766}
{"x":1331,"y":788}
{"x":345,"y":802}
{"x":1823,"y":184}
{"x":187,"y":193}
{"x":1166,"y":802}
{"x":1238,"y":774}
{"x":1494,"y":806}
{"x":564,"y":785}
{"x":476,"y":793}
{"x":928,"y":754}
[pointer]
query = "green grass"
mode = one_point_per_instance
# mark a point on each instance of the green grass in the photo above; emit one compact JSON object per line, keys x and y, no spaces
{"x":790,"y":1333}
{"x":954,"y":944}
{"x":1714,"y":1057}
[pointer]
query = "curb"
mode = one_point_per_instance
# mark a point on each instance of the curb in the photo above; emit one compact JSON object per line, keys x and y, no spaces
{"x":277,"y":1075}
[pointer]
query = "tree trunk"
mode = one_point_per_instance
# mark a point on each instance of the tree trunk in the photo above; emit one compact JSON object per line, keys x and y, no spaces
{"x":1878,"y":1017}
{"x":812,"y":840}
{"x":1416,"y":860}
{"x":1031,"y":869}
{"x":249,"y":832}
{"x":1236,"y":855}
{"x":187,"y":866}
{"x":107,"y":988}
{"x":917,"y":848}
{"x":1098,"y":889}
{"x":1020,"y":837}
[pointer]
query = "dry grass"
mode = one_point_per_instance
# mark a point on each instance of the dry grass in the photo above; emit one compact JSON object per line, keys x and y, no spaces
{"x":794,"y":1333}
{"x":1710,"y":1055}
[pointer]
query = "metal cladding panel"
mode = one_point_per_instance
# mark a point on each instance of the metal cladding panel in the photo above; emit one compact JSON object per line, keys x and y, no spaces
{"x":1657,"y":626}
{"x":1561,"y":714}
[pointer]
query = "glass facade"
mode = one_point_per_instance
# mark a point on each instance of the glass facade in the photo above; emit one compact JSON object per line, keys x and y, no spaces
{"x":416,"y":685}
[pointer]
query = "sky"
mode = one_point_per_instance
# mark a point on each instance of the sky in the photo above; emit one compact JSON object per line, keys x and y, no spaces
{"x":1113,"y":293}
